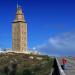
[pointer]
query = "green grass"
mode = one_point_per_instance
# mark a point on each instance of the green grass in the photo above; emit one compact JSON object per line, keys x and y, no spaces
{"x":25,"y":64}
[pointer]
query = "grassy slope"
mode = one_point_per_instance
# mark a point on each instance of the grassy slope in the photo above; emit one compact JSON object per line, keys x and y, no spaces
{"x":37,"y":67}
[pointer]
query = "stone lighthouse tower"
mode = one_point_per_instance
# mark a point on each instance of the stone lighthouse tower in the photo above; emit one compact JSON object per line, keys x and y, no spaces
{"x":19,"y":32}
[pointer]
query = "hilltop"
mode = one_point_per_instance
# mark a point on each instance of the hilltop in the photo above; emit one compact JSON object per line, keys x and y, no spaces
{"x":22,"y":64}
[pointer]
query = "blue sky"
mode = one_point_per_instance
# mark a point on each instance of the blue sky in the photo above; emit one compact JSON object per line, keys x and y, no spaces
{"x":49,"y":22}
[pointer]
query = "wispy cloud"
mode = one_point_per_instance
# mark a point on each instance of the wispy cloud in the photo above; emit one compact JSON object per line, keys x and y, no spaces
{"x":64,"y":41}
{"x":63,"y":44}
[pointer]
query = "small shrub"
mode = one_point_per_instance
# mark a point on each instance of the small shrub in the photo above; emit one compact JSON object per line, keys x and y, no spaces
{"x":27,"y":72}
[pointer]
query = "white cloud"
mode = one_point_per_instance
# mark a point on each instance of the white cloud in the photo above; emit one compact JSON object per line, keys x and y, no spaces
{"x":63,"y":44}
{"x":66,"y":41}
{"x":34,"y":48}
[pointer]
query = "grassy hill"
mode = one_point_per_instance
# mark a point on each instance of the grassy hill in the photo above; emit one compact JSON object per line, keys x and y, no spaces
{"x":25,"y":64}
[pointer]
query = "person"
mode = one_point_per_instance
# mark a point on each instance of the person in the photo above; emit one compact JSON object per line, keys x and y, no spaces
{"x":64,"y":62}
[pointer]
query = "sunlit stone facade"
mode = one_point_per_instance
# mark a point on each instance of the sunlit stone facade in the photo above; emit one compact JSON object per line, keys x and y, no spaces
{"x":19,"y":32}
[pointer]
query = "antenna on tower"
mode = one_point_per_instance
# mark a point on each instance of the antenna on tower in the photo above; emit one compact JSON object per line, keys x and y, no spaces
{"x":17,"y":5}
